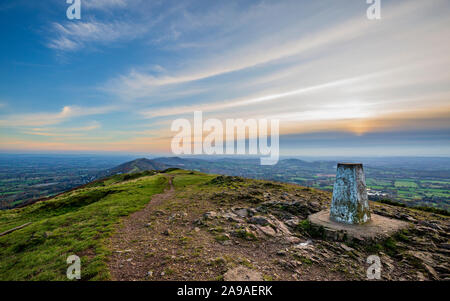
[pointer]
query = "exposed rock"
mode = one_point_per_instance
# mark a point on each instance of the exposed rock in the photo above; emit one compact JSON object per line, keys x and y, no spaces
{"x":408,"y":218}
{"x":442,"y":269}
{"x":296,"y":208}
{"x":267,"y":230}
{"x":387,"y":263}
{"x":242,"y":274}
{"x":260,"y":220}
{"x":252,"y":227}
{"x":430,"y":225}
{"x":280,"y":227}
{"x":231,"y":217}
{"x":177,"y":216}
{"x":288,"y":265}
{"x":315,"y":206}
{"x":346,"y":248}
{"x":293,"y":239}
{"x":304,"y":244}
{"x":293,"y":222}
{"x":251,"y":211}
{"x":426,"y":230}
{"x":241,"y":212}
{"x":431,"y":271}
{"x":421,"y":276}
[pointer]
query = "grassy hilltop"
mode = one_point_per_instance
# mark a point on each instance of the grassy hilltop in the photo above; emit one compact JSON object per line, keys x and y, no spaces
{"x":78,"y":222}
{"x":183,"y":225}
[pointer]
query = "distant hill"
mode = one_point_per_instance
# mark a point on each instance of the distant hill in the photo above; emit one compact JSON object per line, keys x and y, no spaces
{"x":176,"y":161}
{"x":138,"y":165}
{"x":144,"y":164}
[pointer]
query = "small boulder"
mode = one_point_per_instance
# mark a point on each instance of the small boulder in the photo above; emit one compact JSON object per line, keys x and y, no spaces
{"x":241,"y":212}
{"x":281,"y":227}
{"x":231,"y":217}
{"x":267,"y":230}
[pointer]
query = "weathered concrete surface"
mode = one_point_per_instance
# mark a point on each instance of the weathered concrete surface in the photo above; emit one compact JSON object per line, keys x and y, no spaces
{"x":378,"y":228}
{"x":350,"y":204}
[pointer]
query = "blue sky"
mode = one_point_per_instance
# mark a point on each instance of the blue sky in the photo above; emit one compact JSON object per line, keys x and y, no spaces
{"x":116,"y":79}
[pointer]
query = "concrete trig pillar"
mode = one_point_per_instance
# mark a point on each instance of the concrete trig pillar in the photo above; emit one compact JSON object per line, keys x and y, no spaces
{"x":350,"y":204}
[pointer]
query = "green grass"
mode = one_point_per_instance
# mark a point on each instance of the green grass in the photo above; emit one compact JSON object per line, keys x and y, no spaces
{"x":409,"y":184}
{"x":306,"y":227}
{"x":221,"y":237}
{"x":392,"y":203}
{"x":76,"y":223}
{"x":377,"y":182}
{"x":440,"y":211}
{"x":244,"y":234}
{"x":435,"y":182}
{"x":190,"y":179}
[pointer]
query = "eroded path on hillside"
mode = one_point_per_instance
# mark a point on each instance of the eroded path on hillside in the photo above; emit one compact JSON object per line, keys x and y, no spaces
{"x":130,"y":242}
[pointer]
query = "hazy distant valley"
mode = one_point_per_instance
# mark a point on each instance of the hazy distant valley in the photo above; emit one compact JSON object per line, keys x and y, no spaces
{"x":413,"y":181}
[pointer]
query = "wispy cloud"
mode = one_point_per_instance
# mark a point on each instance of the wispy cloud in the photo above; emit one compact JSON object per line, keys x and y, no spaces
{"x":253,"y":100}
{"x":64,"y":132}
{"x":75,"y":35}
{"x":113,"y":21}
{"x":42,"y":119}
{"x":243,"y":53}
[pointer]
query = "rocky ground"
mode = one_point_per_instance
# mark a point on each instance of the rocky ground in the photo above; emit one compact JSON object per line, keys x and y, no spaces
{"x":228,"y":228}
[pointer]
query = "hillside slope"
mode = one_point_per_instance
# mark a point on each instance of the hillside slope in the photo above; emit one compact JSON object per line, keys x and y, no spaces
{"x":138,"y":165}
{"x":183,"y":225}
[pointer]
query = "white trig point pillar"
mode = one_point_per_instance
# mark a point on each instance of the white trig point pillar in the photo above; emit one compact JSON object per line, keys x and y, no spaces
{"x":350,"y":204}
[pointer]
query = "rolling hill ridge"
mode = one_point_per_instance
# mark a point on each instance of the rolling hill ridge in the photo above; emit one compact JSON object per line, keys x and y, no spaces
{"x":138,"y":165}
